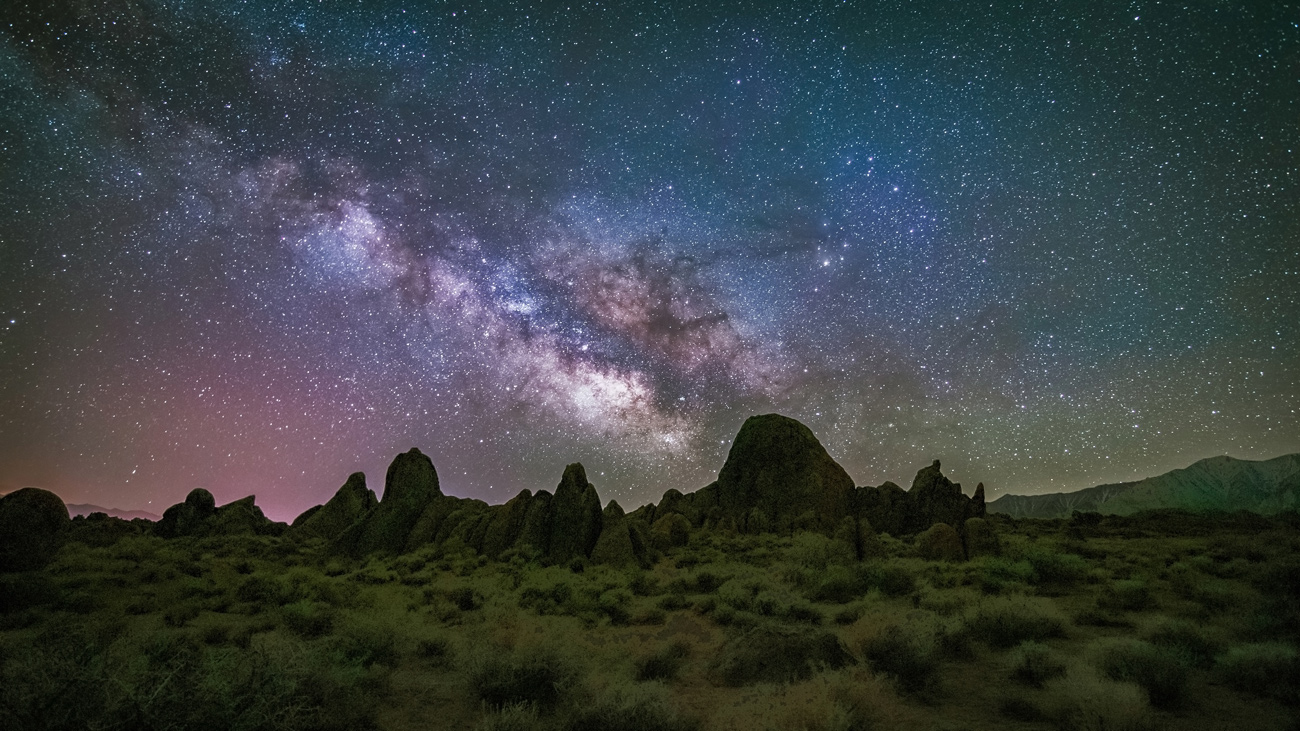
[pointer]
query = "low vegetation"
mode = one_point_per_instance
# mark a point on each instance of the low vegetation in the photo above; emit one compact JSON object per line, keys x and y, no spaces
{"x":1075,"y":625}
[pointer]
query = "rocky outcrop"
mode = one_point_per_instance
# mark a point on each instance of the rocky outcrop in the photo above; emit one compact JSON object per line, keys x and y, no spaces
{"x":506,"y":524}
{"x":620,"y":544}
{"x":33,"y":524}
{"x":575,"y":517}
{"x":351,"y":503}
{"x":190,"y":517}
{"x":936,"y":499}
{"x":200,"y":516}
{"x":887,"y":507}
{"x":409,"y":487}
{"x":777,"y":466}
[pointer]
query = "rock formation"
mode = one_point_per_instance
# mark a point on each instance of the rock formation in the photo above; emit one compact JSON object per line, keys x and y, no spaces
{"x":410,"y":485}
{"x":575,"y":517}
{"x":777,"y":467}
{"x":350,"y":504}
{"x":200,"y":516}
{"x":33,"y":523}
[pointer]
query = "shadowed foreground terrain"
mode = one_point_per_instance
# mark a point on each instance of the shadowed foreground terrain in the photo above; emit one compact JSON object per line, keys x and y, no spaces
{"x":775,"y":601}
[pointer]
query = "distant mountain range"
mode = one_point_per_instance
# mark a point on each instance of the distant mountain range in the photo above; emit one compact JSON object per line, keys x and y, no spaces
{"x":86,"y":509}
{"x":1217,"y":483}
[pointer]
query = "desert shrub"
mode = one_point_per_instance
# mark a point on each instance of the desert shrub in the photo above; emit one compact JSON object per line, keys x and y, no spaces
{"x":1163,"y":673}
{"x":514,"y":717}
{"x":673,"y":602}
{"x":1055,"y":569}
{"x":180,"y":614}
{"x":644,"y":584}
{"x":803,"y":612}
{"x":549,"y":600}
{"x":26,"y":590}
{"x":638,"y":708}
{"x":1186,"y":640}
{"x":1267,"y":669}
{"x":1081,"y":701}
{"x":848,"y":615}
{"x":777,"y":654}
{"x":996,"y":573}
{"x":613,"y":603}
{"x":260,"y":591}
{"x":534,"y":676}
{"x":907,"y":654}
{"x":706,"y":582}
{"x":169,"y":681}
{"x":841,"y":585}
{"x":891,"y":579}
{"x":437,"y":651}
{"x":1129,"y":595}
{"x":363,"y":641}
{"x":662,"y":664}
{"x":651,"y":616}
{"x":1033,"y":664}
{"x":816,"y":552}
{"x":465,"y":598}
{"x":578,"y":565}
{"x":1005,"y":623}
{"x":306,"y":618}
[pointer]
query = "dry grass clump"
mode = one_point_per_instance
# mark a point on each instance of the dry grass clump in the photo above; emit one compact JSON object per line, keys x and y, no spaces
{"x":663,"y":664}
{"x":1033,"y":664}
{"x":1079,"y":700}
{"x":1160,"y":671}
{"x":1004,"y":622}
{"x":1266,"y":668}
{"x":909,"y":654}
{"x":536,"y":676}
{"x":776,"y":654}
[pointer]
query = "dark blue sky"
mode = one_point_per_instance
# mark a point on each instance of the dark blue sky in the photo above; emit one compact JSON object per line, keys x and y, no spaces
{"x":256,"y":246}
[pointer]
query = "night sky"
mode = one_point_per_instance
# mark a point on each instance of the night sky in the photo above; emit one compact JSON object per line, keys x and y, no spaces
{"x":255,"y":246}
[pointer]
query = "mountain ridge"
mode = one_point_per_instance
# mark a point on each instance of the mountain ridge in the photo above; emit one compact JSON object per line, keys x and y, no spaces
{"x":1220,"y":483}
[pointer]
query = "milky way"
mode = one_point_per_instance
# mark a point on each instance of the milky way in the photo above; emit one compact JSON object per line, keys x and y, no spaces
{"x":257,"y":246}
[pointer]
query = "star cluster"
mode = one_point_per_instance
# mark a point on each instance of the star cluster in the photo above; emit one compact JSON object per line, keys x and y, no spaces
{"x":255,"y":246}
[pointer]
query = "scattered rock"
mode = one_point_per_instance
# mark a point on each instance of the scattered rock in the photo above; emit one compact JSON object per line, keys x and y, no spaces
{"x":33,"y":524}
{"x":935,"y":499}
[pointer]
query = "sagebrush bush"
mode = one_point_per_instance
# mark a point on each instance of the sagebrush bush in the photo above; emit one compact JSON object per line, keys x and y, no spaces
{"x":662,"y":664}
{"x":1034,"y":664}
{"x":1130,"y":595}
{"x":906,"y":653}
{"x":1187,"y":640}
{"x":1081,"y":701}
{"x":1053,"y":569}
{"x":1160,"y":671}
{"x":1266,"y":668}
{"x":1004,"y":622}
{"x":643,"y":707}
{"x":534,"y":676}
{"x":777,"y":654}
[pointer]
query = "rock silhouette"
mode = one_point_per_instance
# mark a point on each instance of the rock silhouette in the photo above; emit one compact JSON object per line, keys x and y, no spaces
{"x":33,"y":523}
{"x":200,"y":516}
{"x":352,"y":502}
{"x":778,"y":478}
{"x":777,"y":472}
{"x":410,"y":485}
